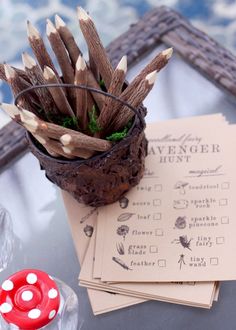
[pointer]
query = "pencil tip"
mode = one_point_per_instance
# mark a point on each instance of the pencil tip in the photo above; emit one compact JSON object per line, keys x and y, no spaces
{"x":9,"y":71}
{"x":48,"y":72}
{"x":82,"y":15}
{"x":80,"y":64}
{"x":65,"y":139}
{"x":50,"y":28}
{"x":32,"y":32}
{"x":167,"y":53}
{"x":28,"y":61}
{"x":122,"y":65}
{"x":59,"y":22}
{"x":10,"y":109}
{"x":151,"y":77}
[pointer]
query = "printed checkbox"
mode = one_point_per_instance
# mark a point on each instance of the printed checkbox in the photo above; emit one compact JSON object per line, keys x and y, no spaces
{"x":223,"y":202}
{"x":220,"y":240}
{"x":159,"y":232}
{"x":158,"y":187}
{"x":214,"y":261}
{"x":157,"y":216}
{"x":156,"y":202}
{"x":161,"y":262}
{"x":153,"y":249}
{"x":225,"y":185}
{"x":225,"y":220}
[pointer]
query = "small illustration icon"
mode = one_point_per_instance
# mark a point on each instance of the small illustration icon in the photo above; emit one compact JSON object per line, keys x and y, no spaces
{"x":180,"y":223}
{"x":181,"y":261}
{"x":120,"y":248}
{"x":124,"y":202}
{"x":180,"y":204}
{"x":125,"y":216}
{"x":180,"y":185}
{"x":122,"y":231}
{"x":121,"y":263}
{"x":88,"y":230}
{"x":183,"y":240}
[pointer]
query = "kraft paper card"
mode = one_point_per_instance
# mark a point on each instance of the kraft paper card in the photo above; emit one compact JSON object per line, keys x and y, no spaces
{"x":82,"y":220}
{"x":176,"y":225}
{"x":191,"y":293}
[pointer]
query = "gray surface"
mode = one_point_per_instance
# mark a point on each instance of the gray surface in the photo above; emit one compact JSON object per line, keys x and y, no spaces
{"x":42,"y":232}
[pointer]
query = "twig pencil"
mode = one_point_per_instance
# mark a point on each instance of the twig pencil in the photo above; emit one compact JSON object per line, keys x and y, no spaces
{"x":11,"y":110}
{"x":57,"y":93}
{"x":60,"y":52}
{"x":135,"y":100}
{"x":15,"y":82}
{"x":77,"y":152}
{"x":93,"y":67}
{"x":39,"y":49}
{"x":68,"y":39}
{"x":67,"y":136}
{"x":156,"y":64}
{"x":81,"y":94}
{"x":36,"y":77}
{"x":115,"y":88}
{"x":95,"y":46}
{"x":22,"y":74}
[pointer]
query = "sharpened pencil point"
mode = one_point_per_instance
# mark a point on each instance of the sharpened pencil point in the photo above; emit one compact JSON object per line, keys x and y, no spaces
{"x":40,"y":139}
{"x":32,"y":32}
{"x":59,"y":22}
{"x":66,"y":150}
{"x":122,"y":65}
{"x":28,"y":61}
{"x":50,"y":28}
{"x":66,"y":139}
{"x":48,"y":73}
{"x":151,"y":77}
{"x":9,"y":71}
{"x":80,"y":64}
{"x":168,"y":53}
{"x":82,"y":15}
{"x":10,"y":109}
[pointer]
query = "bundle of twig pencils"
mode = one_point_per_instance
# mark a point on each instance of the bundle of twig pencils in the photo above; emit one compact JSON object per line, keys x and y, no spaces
{"x":71,"y":122}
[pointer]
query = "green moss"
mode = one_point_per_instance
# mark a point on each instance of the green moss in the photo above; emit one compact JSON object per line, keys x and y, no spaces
{"x":102,"y":84}
{"x":70,"y":122}
{"x":93,"y":125}
{"x":117,"y":136}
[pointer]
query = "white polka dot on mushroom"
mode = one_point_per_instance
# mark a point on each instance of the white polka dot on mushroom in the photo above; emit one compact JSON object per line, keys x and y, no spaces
{"x":7,"y":285}
{"x":31,"y":278}
{"x":5,"y":308}
{"x":52,"y":314}
{"x":34,"y":313}
{"x":52,"y":293}
{"x":27,"y":295}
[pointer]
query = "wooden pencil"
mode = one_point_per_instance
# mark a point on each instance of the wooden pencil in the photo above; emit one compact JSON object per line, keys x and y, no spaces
{"x":81,"y":94}
{"x":57,"y":93}
{"x":68,"y":39}
{"x":95,"y":46}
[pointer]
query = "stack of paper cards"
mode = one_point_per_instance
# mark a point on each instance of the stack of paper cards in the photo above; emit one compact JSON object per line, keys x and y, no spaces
{"x":172,"y":237}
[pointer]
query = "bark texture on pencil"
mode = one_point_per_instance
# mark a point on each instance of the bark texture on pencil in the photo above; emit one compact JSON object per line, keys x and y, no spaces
{"x":36,"y":77}
{"x":22,"y":74}
{"x":60,"y":52}
{"x":68,"y":137}
{"x":95,"y":46}
{"x":57,"y":93}
{"x":117,"y":81}
{"x":39,"y":49}
{"x":15,"y":82}
{"x":135,"y":99}
{"x":158,"y":63}
{"x":68,"y":39}
{"x":81,"y":94}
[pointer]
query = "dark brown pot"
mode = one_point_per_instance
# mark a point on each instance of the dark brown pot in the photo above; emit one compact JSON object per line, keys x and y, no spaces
{"x":104,"y":178}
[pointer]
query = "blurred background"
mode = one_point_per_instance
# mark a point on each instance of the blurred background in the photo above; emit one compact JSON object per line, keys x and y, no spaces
{"x":112,"y":17}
